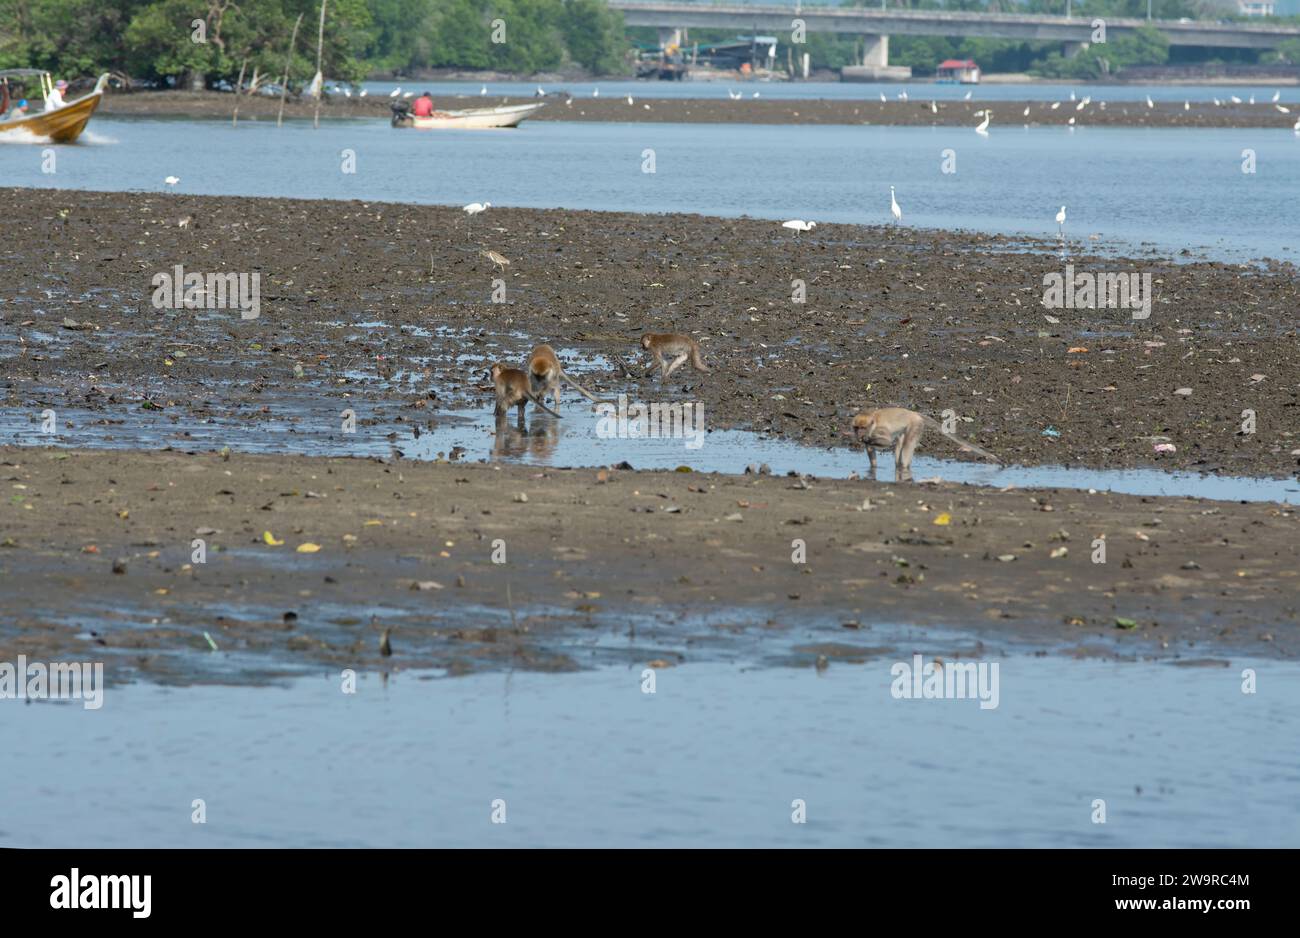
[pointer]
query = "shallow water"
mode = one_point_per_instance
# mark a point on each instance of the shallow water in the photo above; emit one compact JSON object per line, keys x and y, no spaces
{"x":1173,"y":189}
{"x":310,"y":426}
{"x":715,"y":757}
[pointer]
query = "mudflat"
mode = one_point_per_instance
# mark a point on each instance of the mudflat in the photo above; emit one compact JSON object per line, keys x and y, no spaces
{"x":720,"y":109}
{"x":312,"y":561}
{"x":393,"y":311}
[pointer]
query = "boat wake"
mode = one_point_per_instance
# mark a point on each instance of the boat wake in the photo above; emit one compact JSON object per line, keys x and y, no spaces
{"x":22,"y":136}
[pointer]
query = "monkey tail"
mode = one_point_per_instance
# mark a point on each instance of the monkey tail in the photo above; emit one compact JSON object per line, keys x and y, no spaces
{"x":538,"y":401}
{"x":581,"y":390}
{"x":931,"y":422}
{"x":696,"y":362}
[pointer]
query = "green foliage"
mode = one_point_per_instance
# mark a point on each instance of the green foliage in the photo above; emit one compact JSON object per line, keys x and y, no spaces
{"x":155,"y":38}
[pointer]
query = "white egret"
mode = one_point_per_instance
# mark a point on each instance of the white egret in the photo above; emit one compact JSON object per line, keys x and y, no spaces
{"x":363,"y":93}
{"x":172,"y":180}
{"x":1071,"y":95}
{"x":799,"y":225}
{"x":1150,"y":103}
{"x":1284,"y":109}
{"x":983,"y":128}
{"x":1234,"y":99}
{"x":1187,"y":105}
{"x":1252,"y":99}
{"x":1070,"y":122}
{"x":595,"y":92}
{"x":893,"y":207}
{"x":934,"y":108}
{"x":1055,"y":105}
{"x":882,"y":97}
{"x":630,"y":102}
{"x":1060,"y":222}
{"x":395,"y":92}
{"x":408,"y":94}
{"x":1026,"y":110}
{"x":1297,"y":127}
{"x":483,"y":91}
{"x":1276,"y":96}
{"x":471,"y":210}
{"x":539,"y":93}
{"x":968,"y":94}
{"x":756,"y":94}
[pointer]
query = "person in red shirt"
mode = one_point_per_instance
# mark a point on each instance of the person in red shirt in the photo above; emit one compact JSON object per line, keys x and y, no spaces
{"x":423,"y":106}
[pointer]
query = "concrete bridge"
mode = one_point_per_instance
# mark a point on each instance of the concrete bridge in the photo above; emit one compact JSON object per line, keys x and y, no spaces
{"x":876,"y":26}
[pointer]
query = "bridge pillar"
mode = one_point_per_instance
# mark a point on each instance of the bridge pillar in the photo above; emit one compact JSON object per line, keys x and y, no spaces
{"x":670,"y":36}
{"x":875,"y":51}
{"x":1074,"y":48}
{"x":875,"y":63}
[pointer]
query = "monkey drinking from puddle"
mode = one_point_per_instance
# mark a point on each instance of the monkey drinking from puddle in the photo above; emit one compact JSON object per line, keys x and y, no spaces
{"x":545,"y":374}
{"x":900,"y":429}
{"x":681,"y":347}
{"x":512,"y":390}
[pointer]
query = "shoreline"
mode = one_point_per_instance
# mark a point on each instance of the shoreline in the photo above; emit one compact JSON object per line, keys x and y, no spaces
{"x":108,"y":538}
{"x":915,"y":112}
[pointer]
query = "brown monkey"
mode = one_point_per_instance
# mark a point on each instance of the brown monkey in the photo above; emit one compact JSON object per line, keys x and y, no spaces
{"x":512,"y":390}
{"x":901,"y":429}
{"x":683,"y":347}
{"x":545,"y":374}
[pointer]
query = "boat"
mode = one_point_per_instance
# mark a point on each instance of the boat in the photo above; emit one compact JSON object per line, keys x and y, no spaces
{"x":481,"y":118}
{"x":62,"y":125}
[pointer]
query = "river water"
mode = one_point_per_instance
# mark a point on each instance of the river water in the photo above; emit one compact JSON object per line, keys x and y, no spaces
{"x":1135,"y":188}
{"x":717,"y":755}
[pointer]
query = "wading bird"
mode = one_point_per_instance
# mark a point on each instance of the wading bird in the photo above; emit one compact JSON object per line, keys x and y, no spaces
{"x":799,"y":225}
{"x":473,"y":209}
{"x":893,"y":207}
{"x":1060,"y":223}
{"x":395,"y":92}
{"x":983,"y":128}
{"x":1150,"y":103}
{"x":482,"y":91}
{"x":172,"y":180}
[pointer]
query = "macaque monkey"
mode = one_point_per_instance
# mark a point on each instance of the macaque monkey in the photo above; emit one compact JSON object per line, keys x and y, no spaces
{"x":545,"y":374}
{"x":512,"y":390}
{"x":682,"y":347}
{"x":901,"y":429}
